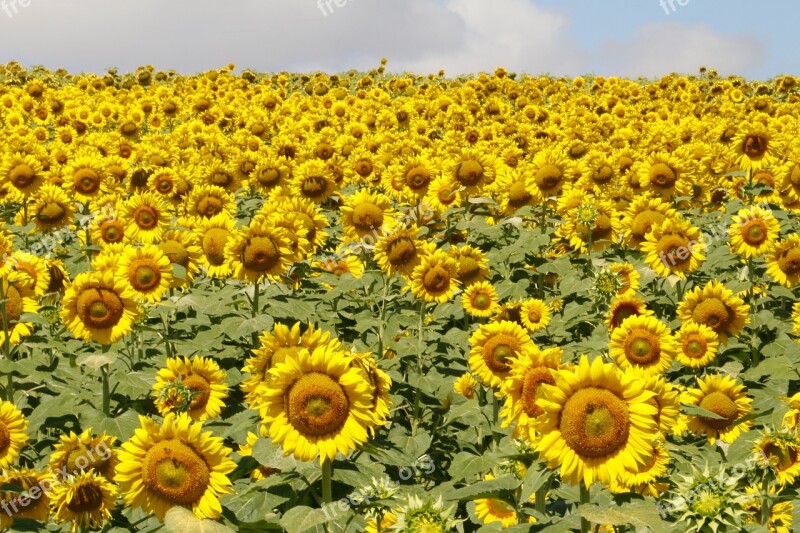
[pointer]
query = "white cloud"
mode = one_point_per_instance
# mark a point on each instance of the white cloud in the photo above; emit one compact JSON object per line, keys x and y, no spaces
{"x":661,"y":48}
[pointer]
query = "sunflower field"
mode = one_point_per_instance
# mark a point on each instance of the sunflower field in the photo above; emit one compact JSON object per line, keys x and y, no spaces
{"x":237,"y":301}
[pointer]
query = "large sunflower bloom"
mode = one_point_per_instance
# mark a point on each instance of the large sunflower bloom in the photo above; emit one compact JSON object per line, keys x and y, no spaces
{"x":317,"y":404}
{"x":174,"y":463}
{"x":783,"y":263}
{"x":12,"y":503}
{"x":643,"y":342}
{"x":99,"y":307}
{"x":716,"y":307}
{"x":197,"y":387}
{"x":697,"y":345}
{"x":521,"y":388}
{"x":597,"y":423}
{"x":12,"y":433}
{"x":753,"y":232}
{"x":724,"y":397}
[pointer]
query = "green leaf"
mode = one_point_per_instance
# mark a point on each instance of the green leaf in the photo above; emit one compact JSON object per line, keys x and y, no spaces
{"x":485,"y":489}
{"x":695,"y":410}
{"x":467,"y":465}
{"x":640,"y":514}
{"x":535,"y":478}
{"x":97,"y":360}
{"x":301,"y":518}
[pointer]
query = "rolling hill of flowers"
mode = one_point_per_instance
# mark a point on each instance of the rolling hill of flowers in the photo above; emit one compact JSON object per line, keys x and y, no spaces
{"x":237,"y":301}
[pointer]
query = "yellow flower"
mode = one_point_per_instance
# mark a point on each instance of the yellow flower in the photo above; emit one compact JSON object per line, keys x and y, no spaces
{"x":480,"y":299}
{"x":401,"y":251}
{"x":724,"y":397}
{"x":147,"y":270}
{"x":494,"y":347}
{"x":196,"y":387}
{"x":148,"y":216}
{"x":182,"y":248}
{"x":260,"y":250}
{"x":674,"y":247}
{"x":32,"y":482}
{"x":643,"y":342}
{"x":366,"y":216}
{"x":434,"y":279}
{"x":98,"y":307}
{"x":12,"y":433}
{"x":317,"y":404}
{"x":19,"y":299}
{"x":86,"y":501}
{"x":783,"y":262}
{"x":697,"y":345}
{"x":214,"y":234}
{"x":465,"y":385}
{"x":75,"y":454}
{"x":522,"y":388}
{"x":597,"y":422}
{"x":753,"y":232}
{"x":535,"y":314}
{"x":715,"y":306}
{"x":174,"y":463}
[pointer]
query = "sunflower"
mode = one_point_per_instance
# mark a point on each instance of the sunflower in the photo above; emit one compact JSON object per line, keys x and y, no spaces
{"x":317,"y":404}
{"x":480,"y":299}
{"x":23,"y":173}
{"x":342,"y":262}
{"x":522,"y":388}
{"x":755,"y":146}
{"x":428,"y":516}
{"x":12,"y":433}
{"x":14,"y":505}
{"x":434,"y":279}
{"x":310,"y":216}
{"x":379,"y":382}
{"x":35,"y":274}
{"x":474,"y":170}
{"x":493,"y":349}
{"x":753,"y":232}
{"x":473,"y":266}
{"x":207,"y":201}
{"x":182,"y":248}
{"x":366,"y":214}
{"x":260,"y":250}
{"x":783,"y":262}
{"x":465,"y":385}
{"x":148,"y":216}
{"x":443,"y":194}
{"x":780,"y":452}
{"x":548,"y":173}
{"x":98,"y":307}
{"x":410,"y":177}
{"x":628,"y":278}
{"x":642,"y":215}
{"x":643,"y":479}
{"x":313,"y":181}
{"x":401,"y":251}
{"x":666,"y":175}
{"x":674,"y":247}
{"x":715,"y":306}
{"x":724,"y":397}
{"x":269,"y":172}
{"x":147,"y":270}
{"x":51,"y":208}
{"x":643,"y":342}
{"x":174,"y":463}
{"x":86,"y":501}
{"x":535,"y":314}
{"x":597,"y":422}
{"x":196,"y":387}
{"x":19,"y":300}
{"x":781,"y":513}
{"x":246,"y":450}
{"x":75,"y":454}
{"x":698,"y":345}
{"x":490,"y":510}
{"x":86,"y":178}
{"x":106,"y":230}
{"x":214,"y":234}
{"x":665,"y":399}
{"x":276,"y":347}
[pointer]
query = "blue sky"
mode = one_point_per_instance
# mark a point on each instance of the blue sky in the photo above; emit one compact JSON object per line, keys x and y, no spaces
{"x":562,"y":37}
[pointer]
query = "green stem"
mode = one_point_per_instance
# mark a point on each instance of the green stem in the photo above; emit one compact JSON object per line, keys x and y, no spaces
{"x":255,"y":309}
{"x":327,"y":473}
{"x":766,"y":505}
{"x":541,"y":498}
{"x":382,"y":324}
{"x":495,"y":417}
{"x":420,"y":348}
{"x":106,"y":391}
{"x":585,"y":526}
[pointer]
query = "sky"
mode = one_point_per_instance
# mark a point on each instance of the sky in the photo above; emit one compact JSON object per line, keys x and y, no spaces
{"x":559,"y":37}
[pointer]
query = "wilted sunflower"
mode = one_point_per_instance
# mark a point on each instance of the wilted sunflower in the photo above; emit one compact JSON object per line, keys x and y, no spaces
{"x":597,"y":422}
{"x":19,"y":300}
{"x":148,"y":217}
{"x":317,"y":404}
{"x":51,"y":208}
{"x":401,"y":251}
{"x":196,"y":387}
{"x":697,"y":345}
{"x":724,"y":397}
{"x":259,"y":250}
{"x":715,"y":306}
{"x":434,"y":279}
{"x":12,"y":433}
{"x":75,"y":454}
{"x":480,"y":299}
{"x":99,"y":307}
{"x":781,"y":513}
{"x":674,"y":247}
{"x":521,"y":388}
{"x":783,"y":262}
{"x":174,"y":463}
{"x":182,"y":248}
{"x":643,"y":342}
{"x":86,"y":501}
{"x":12,"y":503}
{"x":366,"y":214}
{"x":147,"y":270}
{"x":214,"y":234}
{"x":493,"y":349}
{"x":753,"y":232}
